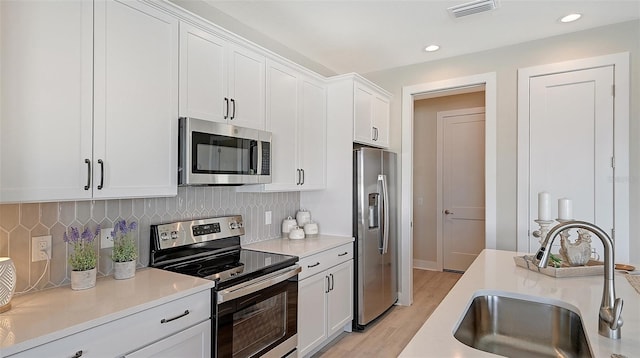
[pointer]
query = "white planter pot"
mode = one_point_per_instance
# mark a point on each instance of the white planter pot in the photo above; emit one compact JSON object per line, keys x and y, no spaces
{"x":124,"y":270}
{"x":81,"y":280}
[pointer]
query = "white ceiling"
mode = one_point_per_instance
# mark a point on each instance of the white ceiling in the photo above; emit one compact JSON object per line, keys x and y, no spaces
{"x":365,"y":36}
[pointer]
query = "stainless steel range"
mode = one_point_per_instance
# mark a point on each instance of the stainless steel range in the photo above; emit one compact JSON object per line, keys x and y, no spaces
{"x":254,"y":310}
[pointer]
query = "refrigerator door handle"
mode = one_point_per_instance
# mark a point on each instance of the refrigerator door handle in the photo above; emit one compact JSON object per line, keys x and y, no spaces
{"x":385,"y":213}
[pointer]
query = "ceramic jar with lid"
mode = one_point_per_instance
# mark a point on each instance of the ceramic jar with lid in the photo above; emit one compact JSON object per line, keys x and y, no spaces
{"x":303,"y":217}
{"x":296,"y":233}
{"x":287,"y":225}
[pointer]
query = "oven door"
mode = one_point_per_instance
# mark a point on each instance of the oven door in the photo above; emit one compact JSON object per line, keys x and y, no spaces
{"x":258,"y":318}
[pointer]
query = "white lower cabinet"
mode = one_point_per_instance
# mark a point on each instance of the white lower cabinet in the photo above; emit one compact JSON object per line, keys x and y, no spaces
{"x":325,"y":297}
{"x":180,"y":328}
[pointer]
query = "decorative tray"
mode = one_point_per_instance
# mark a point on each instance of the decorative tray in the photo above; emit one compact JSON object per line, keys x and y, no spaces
{"x":592,"y":268}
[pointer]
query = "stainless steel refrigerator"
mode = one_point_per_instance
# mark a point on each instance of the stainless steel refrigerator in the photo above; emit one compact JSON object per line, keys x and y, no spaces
{"x":374,"y":227}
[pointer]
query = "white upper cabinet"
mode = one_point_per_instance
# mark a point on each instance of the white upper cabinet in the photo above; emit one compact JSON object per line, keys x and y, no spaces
{"x":79,"y":123}
{"x":219,"y":80}
{"x":136,"y":109}
{"x":46,"y":104}
{"x":296,"y":117}
{"x":371,"y":116}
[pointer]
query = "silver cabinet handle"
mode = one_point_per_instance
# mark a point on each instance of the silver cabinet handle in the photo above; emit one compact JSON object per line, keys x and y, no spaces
{"x":448,"y":212}
{"x":314,"y":265}
{"x":167,"y":320}
{"x":302,"y":182}
{"x":86,"y":187}
{"x":226,"y":110}
{"x":332,"y":281}
{"x":328,"y":285}
{"x":299,"y":176}
{"x":344,"y":253}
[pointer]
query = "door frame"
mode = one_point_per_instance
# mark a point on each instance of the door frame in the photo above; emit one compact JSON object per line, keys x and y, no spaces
{"x":620,"y":61}
{"x":409,"y":95}
{"x":439,"y":180}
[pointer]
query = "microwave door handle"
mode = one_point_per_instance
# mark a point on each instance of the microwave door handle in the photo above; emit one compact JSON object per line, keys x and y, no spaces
{"x":256,"y":151}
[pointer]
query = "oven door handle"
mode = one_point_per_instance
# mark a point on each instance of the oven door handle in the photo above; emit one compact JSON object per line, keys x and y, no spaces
{"x":257,"y":285}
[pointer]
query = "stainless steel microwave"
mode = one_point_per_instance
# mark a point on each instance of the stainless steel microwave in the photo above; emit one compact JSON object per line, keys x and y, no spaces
{"x":212,"y":153}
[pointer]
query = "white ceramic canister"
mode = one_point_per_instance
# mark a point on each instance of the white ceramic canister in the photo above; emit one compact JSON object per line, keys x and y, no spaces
{"x":303,"y":217}
{"x":288,"y":224}
{"x":296,"y":233}
{"x":311,"y":229}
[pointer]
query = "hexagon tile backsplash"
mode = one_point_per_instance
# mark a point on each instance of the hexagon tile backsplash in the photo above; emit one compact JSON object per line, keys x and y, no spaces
{"x":20,"y":222}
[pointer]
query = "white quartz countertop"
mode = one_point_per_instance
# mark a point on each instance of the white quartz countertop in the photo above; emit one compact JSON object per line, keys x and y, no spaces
{"x":44,"y":316}
{"x":495,"y":271}
{"x":301,"y":248}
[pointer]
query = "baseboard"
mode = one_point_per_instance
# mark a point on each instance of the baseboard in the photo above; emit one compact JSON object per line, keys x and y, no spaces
{"x":425,"y":265}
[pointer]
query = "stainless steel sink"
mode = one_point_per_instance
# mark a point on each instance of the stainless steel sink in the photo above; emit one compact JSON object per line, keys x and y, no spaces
{"x":515,"y":327}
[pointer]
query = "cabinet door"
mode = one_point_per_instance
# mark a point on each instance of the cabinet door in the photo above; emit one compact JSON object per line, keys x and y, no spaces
{"x":282,"y":100}
{"x":136,"y":92}
{"x":203,"y":74}
{"x":312,"y":132}
{"x":192,"y":342}
{"x":246,"y":88}
{"x":380,"y":119}
{"x":312,"y":312}
{"x":46,"y":104}
{"x":340,"y":297}
{"x":362,"y":128}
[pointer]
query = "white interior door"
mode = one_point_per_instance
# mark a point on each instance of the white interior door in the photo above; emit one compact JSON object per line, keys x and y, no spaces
{"x":461,"y":148}
{"x":571,"y":145}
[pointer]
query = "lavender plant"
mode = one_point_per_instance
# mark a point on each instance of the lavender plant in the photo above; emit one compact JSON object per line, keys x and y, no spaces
{"x":83,"y":256}
{"x":124,"y":246}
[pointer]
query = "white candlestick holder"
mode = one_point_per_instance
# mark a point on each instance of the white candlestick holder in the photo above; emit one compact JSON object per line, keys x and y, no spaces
{"x":544,"y":229}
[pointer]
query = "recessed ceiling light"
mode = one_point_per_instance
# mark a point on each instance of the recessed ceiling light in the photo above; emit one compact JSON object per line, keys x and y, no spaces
{"x":432,"y":48}
{"x":571,"y":17}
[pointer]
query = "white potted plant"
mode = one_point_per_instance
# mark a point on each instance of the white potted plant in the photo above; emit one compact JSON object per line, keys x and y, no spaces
{"x":125,"y":250}
{"x":83,"y":259}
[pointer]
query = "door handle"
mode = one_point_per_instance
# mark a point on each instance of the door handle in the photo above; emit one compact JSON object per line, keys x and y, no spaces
{"x":101,"y":174}
{"x":226,"y":102}
{"x":299,"y":177}
{"x":233,"y":113}
{"x":448,"y":212}
{"x":302,"y":181}
{"x":86,"y":187}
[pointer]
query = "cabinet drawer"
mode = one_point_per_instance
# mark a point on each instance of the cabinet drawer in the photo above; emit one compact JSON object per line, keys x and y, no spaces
{"x":324,"y":260}
{"x":127,"y":334}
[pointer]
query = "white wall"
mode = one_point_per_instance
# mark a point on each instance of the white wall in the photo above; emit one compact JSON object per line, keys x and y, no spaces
{"x":505,"y":61}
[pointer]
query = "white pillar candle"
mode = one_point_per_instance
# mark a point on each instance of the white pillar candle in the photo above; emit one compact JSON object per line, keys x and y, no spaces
{"x":544,"y":206}
{"x":565,"y":209}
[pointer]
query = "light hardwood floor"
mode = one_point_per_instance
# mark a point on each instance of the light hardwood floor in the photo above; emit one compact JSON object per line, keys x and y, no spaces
{"x":390,"y":334}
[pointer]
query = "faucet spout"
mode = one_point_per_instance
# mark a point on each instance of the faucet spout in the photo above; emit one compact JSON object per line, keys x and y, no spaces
{"x":611,"y":307}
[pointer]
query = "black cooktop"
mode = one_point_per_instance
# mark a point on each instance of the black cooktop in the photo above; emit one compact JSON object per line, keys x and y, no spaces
{"x":231,"y":268}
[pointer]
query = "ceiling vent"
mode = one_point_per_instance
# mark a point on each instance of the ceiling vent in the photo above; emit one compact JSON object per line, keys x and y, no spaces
{"x":473,"y":7}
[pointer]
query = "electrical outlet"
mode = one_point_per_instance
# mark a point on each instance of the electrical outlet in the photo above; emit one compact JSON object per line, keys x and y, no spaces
{"x":267,"y":217}
{"x":106,"y":241}
{"x":40,"y":248}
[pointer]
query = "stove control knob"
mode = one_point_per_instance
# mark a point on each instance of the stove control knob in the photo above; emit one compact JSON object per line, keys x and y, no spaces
{"x":233,"y":225}
{"x":164,"y":236}
{"x":174,"y":235}
{"x":240,"y":224}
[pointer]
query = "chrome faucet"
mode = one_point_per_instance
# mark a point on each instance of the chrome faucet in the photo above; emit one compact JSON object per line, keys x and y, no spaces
{"x":611,"y":307}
